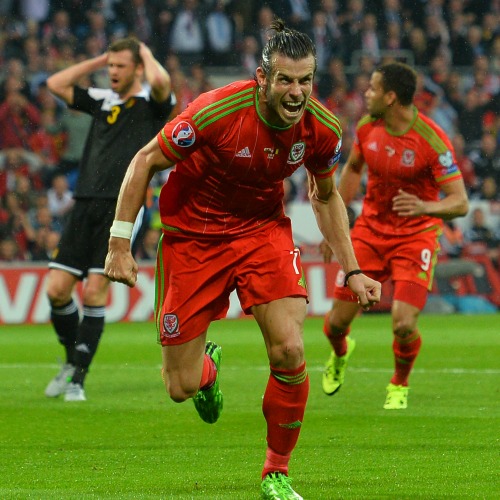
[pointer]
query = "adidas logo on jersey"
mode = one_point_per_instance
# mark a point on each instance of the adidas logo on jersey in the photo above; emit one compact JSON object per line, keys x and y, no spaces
{"x":373,"y":147}
{"x":244,"y":153}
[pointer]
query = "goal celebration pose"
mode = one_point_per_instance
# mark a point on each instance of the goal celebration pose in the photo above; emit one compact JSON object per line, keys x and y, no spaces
{"x":224,"y":228}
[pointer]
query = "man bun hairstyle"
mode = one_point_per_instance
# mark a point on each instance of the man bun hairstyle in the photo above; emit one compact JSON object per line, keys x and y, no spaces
{"x":286,"y":42}
{"x":401,"y":79}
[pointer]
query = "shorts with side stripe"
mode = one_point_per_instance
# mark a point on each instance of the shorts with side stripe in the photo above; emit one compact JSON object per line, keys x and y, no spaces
{"x":195,"y":278}
{"x":409,"y":260}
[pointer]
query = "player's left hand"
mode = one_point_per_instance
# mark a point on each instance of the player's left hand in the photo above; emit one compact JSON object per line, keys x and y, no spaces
{"x":408,"y":205}
{"x":368,"y":291}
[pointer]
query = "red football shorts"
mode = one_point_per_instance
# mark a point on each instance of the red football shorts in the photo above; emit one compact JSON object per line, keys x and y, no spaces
{"x":194,"y":278}
{"x":408,"y":260}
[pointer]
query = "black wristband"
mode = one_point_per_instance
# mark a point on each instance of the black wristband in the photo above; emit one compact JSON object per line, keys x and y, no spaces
{"x":351,"y":273}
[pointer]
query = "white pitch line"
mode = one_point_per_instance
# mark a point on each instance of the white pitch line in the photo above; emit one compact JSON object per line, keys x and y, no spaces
{"x":318,"y":368}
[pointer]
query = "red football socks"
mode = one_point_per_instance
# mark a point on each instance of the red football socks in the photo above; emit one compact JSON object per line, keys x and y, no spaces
{"x":336,"y":339}
{"x":209,"y":373}
{"x":283,"y":407}
{"x":405,"y":353}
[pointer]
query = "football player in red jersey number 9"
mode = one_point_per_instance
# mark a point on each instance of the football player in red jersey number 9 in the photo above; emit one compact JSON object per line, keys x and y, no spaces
{"x":224,"y":229}
{"x":413,"y":184}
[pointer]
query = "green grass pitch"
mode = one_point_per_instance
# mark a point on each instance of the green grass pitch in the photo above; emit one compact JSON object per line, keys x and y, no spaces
{"x":129,"y":441}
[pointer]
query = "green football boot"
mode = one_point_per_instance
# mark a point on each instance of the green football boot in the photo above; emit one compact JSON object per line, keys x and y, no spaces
{"x":333,"y":376}
{"x":277,"y":486}
{"x":209,"y":402}
{"x":397,"y":397}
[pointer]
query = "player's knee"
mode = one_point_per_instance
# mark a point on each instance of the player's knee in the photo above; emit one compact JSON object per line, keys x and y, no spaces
{"x":180,"y":394}
{"x":58,"y":294}
{"x":179,"y":390}
{"x":288,"y":354}
{"x":403,"y":328}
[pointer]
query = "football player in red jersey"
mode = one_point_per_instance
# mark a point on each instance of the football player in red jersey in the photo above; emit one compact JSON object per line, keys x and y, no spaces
{"x":224,"y":229}
{"x":413,"y":185}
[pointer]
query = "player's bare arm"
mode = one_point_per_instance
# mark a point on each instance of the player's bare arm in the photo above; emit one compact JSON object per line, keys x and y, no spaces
{"x":333,"y":223}
{"x":155,"y":74}
{"x":454,"y":203}
{"x":61,"y":83}
{"x":120,"y":265}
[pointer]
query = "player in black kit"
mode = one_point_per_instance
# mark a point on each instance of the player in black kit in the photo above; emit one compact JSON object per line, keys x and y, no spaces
{"x":125,"y":117}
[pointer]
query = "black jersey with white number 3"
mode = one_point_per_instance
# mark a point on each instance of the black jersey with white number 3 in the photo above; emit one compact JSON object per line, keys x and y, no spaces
{"x":119,"y":129}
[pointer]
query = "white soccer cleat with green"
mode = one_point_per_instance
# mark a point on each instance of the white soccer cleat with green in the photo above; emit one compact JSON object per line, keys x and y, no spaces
{"x":60,"y":382}
{"x":74,"y":392}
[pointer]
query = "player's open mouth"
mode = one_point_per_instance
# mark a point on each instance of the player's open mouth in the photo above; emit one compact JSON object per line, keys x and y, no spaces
{"x":293,"y":108}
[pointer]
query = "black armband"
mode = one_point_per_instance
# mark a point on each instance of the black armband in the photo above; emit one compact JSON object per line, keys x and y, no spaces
{"x":351,"y":273}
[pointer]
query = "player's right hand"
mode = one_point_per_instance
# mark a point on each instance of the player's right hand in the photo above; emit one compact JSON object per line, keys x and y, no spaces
{"x":120,"y":266}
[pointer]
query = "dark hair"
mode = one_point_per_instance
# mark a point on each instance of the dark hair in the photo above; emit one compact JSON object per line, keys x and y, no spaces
{"x":130,"y":43}
{"x":287,"y":42}
{"x":399,"y":78}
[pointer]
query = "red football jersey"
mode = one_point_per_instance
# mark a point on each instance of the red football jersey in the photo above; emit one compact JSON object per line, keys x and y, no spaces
{"x":418,"y":162}
{"x":230,"y":163}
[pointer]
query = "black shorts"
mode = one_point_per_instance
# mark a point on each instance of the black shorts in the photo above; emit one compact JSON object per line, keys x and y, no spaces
{"x":84,"y":242}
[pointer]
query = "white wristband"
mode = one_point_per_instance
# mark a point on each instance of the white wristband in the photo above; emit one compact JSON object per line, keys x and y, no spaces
{"x":121,"y":229}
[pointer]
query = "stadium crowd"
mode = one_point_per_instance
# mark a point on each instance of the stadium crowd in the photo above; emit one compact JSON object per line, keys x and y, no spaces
{"x":454,"y":44}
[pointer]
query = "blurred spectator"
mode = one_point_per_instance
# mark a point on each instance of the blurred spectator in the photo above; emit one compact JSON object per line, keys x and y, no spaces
{"x":452,"y":240}
{"x":46,"y":142}
{"x":17,"y":162}
{"x":139,"y":17}
{"x":486,"y":160}
{"x":220,"y":32}
{"x":464,"y":162}
{"x":43,"y":218}
{"x":60,"y":199}
{"x":9,"y":251}
{"x":44,"y":245}
{"x":249,"y":56}
{"x":335,"y":76}
{"x":487,"y":190}
{"x":199,"y":81}
{"x":18,"y":120}
{"x":188,"y":34}
{"x":149,"y":245}
{"x":470,"y":116}
{"x":321,"y":39}
{"x":481,"y":234}
{"x":57,"y":32}
{"x":265,"y":16}
{"x":295,"y":13}
{"x":423,"y":50}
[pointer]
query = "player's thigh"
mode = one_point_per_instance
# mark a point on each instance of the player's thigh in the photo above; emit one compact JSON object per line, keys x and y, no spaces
{"x":193,"y":284}
{"x":281,"y":322}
